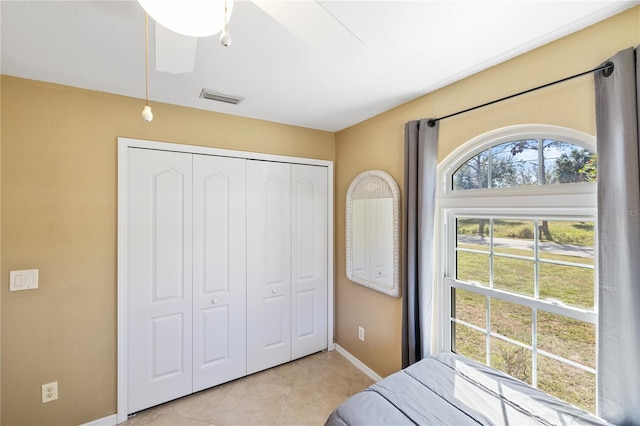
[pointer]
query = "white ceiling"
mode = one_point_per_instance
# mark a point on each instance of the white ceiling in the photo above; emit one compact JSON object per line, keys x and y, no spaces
{"x":409,"y":48}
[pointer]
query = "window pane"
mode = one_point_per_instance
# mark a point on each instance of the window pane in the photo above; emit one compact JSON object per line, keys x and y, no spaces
{"x":470,"y":307}
{"x":568,"y":284}
{"x":571,"y":242}
{"x":472,"y":267}
{"x":514,"y":275}
{"x":473,"y":233}
{"x":514,"y":164}
{"x":571,"y":339}
{"x":473,"y":174}
{"x":565,"y":238}
{"x":513,"y":237}
{"x":512,"y":359}
{"x":568,"y":383}
{"x":469,"y":342}
{"x":568,"y":163}
{"x":511,"y":320}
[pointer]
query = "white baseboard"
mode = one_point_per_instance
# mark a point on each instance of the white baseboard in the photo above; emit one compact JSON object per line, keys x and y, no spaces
{"x":105,"y":421}
{"x":358,"y":364}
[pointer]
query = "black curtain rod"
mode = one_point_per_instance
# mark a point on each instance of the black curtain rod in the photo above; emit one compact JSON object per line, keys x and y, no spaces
{"x":607,"y":70}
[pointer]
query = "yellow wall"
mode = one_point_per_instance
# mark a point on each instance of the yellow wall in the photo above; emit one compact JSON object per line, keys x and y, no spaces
{"x":378,"y":143}
{"x":59,"y":176}
{"x":58,"y":206}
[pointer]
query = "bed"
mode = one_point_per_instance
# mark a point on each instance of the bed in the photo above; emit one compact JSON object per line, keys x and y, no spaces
{"x":448,"y":389}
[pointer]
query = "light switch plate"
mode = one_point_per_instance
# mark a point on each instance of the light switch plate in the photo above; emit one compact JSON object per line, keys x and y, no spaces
{"x":23,"y":280}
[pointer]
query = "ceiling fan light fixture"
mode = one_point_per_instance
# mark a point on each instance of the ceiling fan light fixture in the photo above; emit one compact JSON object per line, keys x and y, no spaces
{"x":195,"y":18}
{"x":220,"y":97}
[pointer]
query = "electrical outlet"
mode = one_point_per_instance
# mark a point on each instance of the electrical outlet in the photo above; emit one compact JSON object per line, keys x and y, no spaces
{"x":49,"y":392}
{"x":361,"y":333}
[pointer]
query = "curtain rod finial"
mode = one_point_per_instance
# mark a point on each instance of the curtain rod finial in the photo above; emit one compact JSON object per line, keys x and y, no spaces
{"x":608,"y":69}
{"x":431,"y":123}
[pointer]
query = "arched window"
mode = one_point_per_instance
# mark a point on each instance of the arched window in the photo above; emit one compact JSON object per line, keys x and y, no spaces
{"x":518,"y":207}
{"x":524,"y":162}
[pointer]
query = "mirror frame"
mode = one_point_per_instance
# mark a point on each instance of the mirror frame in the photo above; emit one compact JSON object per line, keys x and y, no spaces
{"x":372,"y":177}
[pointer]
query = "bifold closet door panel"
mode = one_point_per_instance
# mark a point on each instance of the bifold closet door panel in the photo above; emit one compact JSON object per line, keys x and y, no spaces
{"x":308,"y":259}
{"x":268,"y":269}
{"x":219,"y":270}
{"x":159,"y":285}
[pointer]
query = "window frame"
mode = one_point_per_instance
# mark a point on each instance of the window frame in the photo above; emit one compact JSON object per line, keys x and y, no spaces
{"x":568,"y":201}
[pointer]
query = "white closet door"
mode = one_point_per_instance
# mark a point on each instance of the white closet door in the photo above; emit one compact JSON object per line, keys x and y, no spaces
{"x":269,"y":257}
{"x":308,"y":260}
{"x":219,"y":270}
{"x":159,"y":277}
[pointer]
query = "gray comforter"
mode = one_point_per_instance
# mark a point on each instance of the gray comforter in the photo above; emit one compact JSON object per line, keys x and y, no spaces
{"x":447,"y":389}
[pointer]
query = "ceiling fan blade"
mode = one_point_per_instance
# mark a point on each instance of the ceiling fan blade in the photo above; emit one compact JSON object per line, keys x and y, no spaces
{"x":313,"y":24}
{"x":175,"y":53}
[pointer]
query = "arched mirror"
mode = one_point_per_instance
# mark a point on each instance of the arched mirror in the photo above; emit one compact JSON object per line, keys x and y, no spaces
{"x":373,"y":232}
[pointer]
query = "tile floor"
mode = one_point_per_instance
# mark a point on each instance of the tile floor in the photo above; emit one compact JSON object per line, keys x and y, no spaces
{"x":302,"y":392}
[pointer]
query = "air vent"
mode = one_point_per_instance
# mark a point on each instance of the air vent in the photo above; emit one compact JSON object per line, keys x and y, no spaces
{"x":220,"y":97}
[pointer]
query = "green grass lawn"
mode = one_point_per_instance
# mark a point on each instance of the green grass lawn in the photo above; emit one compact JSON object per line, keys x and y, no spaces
{"x":563,"y":232}
{"x":569,"y":284}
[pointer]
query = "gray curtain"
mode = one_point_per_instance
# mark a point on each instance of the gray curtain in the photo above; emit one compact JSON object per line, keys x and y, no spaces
{"x":418,"y":215}
{"x":619,"y":241}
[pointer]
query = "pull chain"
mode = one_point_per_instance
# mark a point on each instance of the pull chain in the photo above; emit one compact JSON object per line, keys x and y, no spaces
{"x":147,"y":115}
{"x":225,"y":37}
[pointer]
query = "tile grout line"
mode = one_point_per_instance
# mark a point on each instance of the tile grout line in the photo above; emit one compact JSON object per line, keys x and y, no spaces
{"x":275,"y":421}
